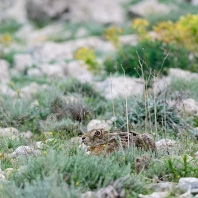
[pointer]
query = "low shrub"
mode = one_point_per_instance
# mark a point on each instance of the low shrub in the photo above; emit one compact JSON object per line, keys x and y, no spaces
{"x":155,"y":57}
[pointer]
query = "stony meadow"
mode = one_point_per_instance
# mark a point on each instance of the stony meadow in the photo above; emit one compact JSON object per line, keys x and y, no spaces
{"x":68,"y":67}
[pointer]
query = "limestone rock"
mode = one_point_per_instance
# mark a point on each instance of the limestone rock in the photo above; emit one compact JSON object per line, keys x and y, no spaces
{"x":119,"y":86}
{"x":188,"y":183}
{"x":29,"y":90}
{"x":179,"y":73}
{"x":98,"y":124}
{"x":146,"y":7}
{"x":34,"y":72}
{"x":4,"y":71}
{"x":129,"y":39}
{"x":22,"y":61}
{"x":79,"y":71}
{"x":96,"y":11}
{"x":155,"y":195}
{"x":55,"y":70}
{"x":5,"y":132}
{"x":167,"y":145}
{"x":162,"y":186}
{"x":190,"y":106}
{"x":24,"y":151}
{"x":4,"y":89}
{"x":42,"y":11}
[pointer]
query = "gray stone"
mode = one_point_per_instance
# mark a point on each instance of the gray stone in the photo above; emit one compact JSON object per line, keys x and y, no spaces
{"x":34,"y":72}
{"x":162,"y":186}
{"x":98,"y":124}
{"x":115,"y":87}
{"x":53,"y":70}
{"x":78,"y":70}
{"x":24,"y":151}
{"x":179,"y":73}
{"x":42,"y":11}
{"x":5,"y":132}
{"x":4,"y":71}
{"x":166,"y":144}
{"x":190,"y":106}
{"x":22,"y":61}
{"x":188,"y":183}
{"x":96,"y":11}
{"x":131,"y":39}
{"x":155,"y":195}
{"x":147,"y":7}
{"x":28,"y":91}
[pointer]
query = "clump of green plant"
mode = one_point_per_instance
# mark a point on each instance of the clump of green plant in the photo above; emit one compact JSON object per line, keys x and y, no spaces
{"x":142,"y":113}
{"x":112,"y":34}
{"x":154,"y":57}
{"x":84,"y":89}
{"x":88,"y":56}
{"x":9,"y":26}
{"x":19,"y":113}
{"x":70,"y":107}
{"x":65,"y":127}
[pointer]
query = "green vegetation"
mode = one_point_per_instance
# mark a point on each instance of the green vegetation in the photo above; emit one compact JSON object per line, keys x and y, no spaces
{"x":155,"y":58}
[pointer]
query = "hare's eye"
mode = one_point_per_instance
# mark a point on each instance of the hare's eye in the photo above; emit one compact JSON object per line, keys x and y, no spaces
{"x":98,"y":133}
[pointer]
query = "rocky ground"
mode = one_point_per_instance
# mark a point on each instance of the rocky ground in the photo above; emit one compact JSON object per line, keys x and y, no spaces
{"x":55,"y":86}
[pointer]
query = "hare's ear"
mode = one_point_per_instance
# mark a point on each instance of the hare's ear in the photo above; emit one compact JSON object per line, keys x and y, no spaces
{"x":112,"y":138}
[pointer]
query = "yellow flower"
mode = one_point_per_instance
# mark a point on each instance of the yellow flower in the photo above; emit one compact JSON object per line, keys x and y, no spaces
{"x":178,"y":176}
{"x":123,"y":158}
{"x":77,"y":183}
{"x":44,"y":152}
{"x":112,"y":34}
{"x":60,"y":147}
{"x":6,"y":39}
{"x":51,"y":133}
{"x":104,"y":145}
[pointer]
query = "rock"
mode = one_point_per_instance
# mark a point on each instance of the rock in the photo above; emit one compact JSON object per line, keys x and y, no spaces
{"x":162,"y":186}
{"x":24,"y":151}
{"x":190,"y":106}
{"x":39,"y":145}
{"x":98,"y":124}
{"x":79,"y":71}
{"x":4,"y":71}
{"x":55,"y":70}
{"x":2,"y":176}
{"x":179,"y":73}
{"x":186,"y":195}
{"x":27,"y":135}
{"x":32,"y":36}
{"x":81,"y":32}
{"x":42,"y":11}
{"x":34,"y":72}
{"x":89,"y":194}
{"x":188,"y":183}
{"x":15,"y":10}
{"x":22,"y":61}
{"x":168,"y":146}
{"x":96,"y":11}
{"x":129,"y":39}
{"x":155,"y":195}
{"x":51,"y":51}
{"x":28,"y":91}
{"x":161,"y":84}
{"x":194,"y":2}
{"x":148,"y":7}
{"x":117,"y":87}
{"x":6,"y":90}
{"x":108,"y":192}
{"x":196,"y":154}
{"x":5,"y":132}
